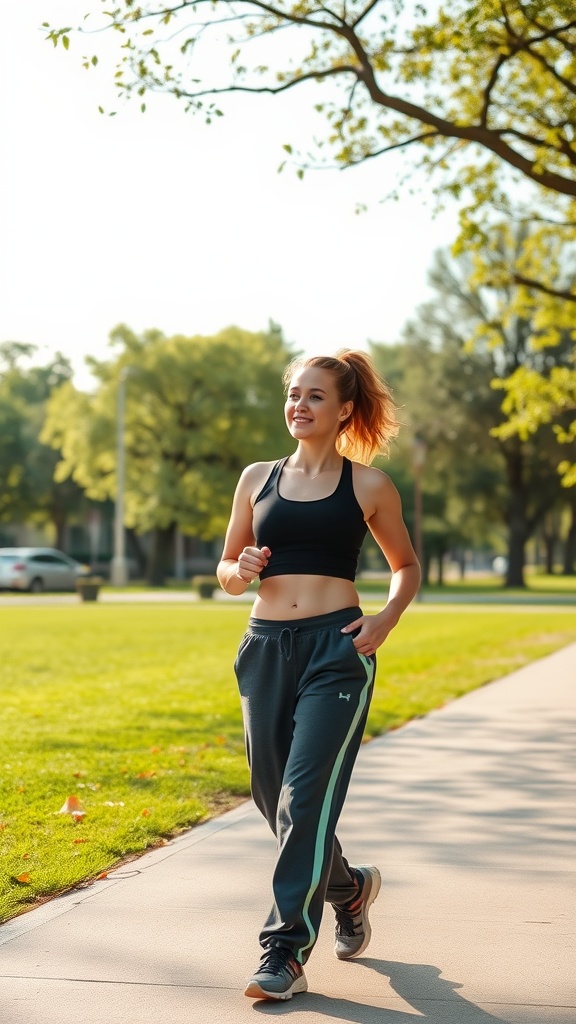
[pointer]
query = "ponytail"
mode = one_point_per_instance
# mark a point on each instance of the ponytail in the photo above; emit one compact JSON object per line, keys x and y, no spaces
{"x":372,"y":423}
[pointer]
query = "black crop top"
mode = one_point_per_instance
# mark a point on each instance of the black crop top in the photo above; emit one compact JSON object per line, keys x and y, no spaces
{"x":315,"y":538}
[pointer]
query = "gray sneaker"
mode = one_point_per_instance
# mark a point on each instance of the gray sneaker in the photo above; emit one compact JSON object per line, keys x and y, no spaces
{"x":353,"y":931}
{"x":279,"y":976}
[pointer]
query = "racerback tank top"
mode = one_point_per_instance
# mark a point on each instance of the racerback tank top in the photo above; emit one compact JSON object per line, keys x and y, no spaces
{"x":314,"y":538}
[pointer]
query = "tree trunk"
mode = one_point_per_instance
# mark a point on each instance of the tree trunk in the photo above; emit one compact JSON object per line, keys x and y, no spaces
{"x":59,"y":521}
{"x":516,"y":555}
{"x":135,"y":550}
{"x":161,"y":555}
{"x":550,"y":538}
{"x":441,"y":569}
{"x":516,"y":515}
{"x":569,"y":567}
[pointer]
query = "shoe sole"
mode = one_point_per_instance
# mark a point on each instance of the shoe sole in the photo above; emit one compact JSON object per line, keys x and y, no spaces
{"x":374,"y":890}
{"x":254,"y":990}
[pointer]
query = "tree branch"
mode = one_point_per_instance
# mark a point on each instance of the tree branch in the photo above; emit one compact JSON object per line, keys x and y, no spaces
{"x":396,"y":145}
{"x":559,"y":293}
{"x":273,"y":90}
{"x":490,"y":85}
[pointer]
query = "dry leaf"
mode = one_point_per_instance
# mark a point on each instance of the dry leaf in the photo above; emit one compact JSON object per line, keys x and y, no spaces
{"x":155,"y":750}
{"x":73,"y":807}
{"x":103,"y":874}
{"x":24,"y":878}
{"x":146,"y":775}
{"x":146,"y":813}
{"x":80,"y":840}
{"x":2,"y":826}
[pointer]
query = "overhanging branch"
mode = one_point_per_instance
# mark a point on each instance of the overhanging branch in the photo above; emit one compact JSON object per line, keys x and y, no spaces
{"x":558,"y":293}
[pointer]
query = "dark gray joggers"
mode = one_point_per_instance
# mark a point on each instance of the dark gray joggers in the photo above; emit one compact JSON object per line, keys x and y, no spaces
{"x":305,"y":696}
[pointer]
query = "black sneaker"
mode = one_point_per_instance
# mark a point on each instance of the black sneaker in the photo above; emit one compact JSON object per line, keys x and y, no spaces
{"x":279,"y":976}
{"x":353,"y":931}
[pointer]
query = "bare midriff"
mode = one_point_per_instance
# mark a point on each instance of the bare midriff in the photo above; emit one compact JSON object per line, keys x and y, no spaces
{"x":300,"y":597}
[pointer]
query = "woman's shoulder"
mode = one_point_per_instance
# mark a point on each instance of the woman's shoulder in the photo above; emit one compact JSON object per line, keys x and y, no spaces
{"x":369,"y":476}
{"x":372,"y":487}
{"x":255,"y":476}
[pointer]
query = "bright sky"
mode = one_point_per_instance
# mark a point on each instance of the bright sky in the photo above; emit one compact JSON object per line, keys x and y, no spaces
{"x":158,"y":220}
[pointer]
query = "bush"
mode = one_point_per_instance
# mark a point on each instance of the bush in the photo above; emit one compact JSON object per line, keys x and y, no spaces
{"x":205,"y":585}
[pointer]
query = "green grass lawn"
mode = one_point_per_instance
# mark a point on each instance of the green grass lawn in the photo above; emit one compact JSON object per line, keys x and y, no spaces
{"x":134,"y":710}
{"x":538,"y":584}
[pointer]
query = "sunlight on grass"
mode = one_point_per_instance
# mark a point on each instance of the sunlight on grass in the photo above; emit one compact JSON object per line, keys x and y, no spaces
{"x":134,"y":710}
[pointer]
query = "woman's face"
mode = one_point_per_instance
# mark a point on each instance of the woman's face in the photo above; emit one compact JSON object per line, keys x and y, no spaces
{"x":313,"y":407}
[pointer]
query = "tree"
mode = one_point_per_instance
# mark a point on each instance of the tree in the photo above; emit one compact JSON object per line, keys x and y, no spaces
{"x":480,"y":94}
{"x":484,"y":75}
{"x":448,"y":392}
{"x":28,"y":492}
{"x":197,"y":411}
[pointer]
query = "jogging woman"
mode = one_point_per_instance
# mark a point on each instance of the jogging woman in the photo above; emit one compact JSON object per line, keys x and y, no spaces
{"x":305,"y":666}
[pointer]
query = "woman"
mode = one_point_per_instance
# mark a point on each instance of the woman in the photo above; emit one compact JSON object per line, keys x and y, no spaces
{"x":306,"y":665}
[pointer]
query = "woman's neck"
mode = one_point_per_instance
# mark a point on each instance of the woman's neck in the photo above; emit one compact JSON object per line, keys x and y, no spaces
{"x":313,"y":460}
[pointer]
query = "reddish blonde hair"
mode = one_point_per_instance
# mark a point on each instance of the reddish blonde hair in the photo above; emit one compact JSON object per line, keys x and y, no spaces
{"x":372,"y":423}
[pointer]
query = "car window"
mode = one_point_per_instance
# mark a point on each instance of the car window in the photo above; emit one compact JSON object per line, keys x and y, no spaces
{"x":39,"y":558}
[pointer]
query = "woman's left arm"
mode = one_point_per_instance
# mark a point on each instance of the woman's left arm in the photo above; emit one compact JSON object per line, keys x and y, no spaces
{"x":377,"y":495}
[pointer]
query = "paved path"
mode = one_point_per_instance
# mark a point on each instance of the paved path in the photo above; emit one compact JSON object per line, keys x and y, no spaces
{"x":468,"y":814}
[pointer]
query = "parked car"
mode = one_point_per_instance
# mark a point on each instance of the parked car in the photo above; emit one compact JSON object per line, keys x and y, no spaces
{"x":38,"y":569}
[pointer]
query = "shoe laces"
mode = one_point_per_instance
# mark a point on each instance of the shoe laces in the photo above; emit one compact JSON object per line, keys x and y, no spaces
{"x":349,"y":917}
{"x":277,"y":959}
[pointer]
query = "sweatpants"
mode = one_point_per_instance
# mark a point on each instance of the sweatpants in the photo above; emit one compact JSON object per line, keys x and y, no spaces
{"x":305,"y":695}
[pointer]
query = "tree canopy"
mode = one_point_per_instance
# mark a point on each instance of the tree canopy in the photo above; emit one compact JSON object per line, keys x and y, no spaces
{"x":478,"y":477}
{"x":198,"y":409}
{"x":479,"y":94}
{"x":494,"y":75}
{"x":28,"y":492}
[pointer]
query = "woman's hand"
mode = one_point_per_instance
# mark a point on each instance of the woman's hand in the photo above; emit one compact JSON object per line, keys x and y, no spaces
{"x":251,"y":561}
{"x":373,"y":631}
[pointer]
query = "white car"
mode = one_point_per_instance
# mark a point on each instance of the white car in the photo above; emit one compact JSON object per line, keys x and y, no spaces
{"x":38,"y":569}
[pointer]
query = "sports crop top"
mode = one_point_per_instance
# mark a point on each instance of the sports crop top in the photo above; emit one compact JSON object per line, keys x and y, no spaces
{"x":315,"y":538}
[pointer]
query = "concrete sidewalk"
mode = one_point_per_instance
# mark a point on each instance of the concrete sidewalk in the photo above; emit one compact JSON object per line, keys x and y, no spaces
{"x":468,"y":815}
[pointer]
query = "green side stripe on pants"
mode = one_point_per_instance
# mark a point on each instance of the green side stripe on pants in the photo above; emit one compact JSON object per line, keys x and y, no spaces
{"x":327,"y":803}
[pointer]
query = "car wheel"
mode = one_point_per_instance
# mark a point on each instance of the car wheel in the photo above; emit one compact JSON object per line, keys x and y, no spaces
{"x":36,"y":586}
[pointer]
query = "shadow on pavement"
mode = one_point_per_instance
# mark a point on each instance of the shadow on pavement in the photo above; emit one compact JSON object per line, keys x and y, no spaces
{"x":434,"y":1000}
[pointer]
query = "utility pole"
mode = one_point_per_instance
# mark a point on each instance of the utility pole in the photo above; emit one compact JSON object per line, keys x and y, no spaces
{"x":119,"y":564}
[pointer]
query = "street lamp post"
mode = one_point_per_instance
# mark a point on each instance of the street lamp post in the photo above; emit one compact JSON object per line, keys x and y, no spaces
{"x":119,"y":564}
{"x":418,"y":460}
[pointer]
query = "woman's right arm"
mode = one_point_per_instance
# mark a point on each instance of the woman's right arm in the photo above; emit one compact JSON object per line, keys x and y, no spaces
{"x":241,"y":561}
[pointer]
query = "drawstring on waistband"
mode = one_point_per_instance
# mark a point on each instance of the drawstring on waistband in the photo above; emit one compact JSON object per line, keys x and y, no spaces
{"x":286,"y":640}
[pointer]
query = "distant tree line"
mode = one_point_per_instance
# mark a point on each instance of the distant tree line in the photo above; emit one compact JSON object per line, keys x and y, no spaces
{"x":198,"y":409}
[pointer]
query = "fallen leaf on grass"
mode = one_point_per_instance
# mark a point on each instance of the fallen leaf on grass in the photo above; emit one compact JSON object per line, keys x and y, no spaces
{"x":2,"y":826}
{"x":146,"y":775}
{"x":146,"y":813}
{"x":23,"y":879}
{"x":83,"y":840}
{"x":73,"y":807}
{"x":155,"y":750}
{"x":103,"y":874}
